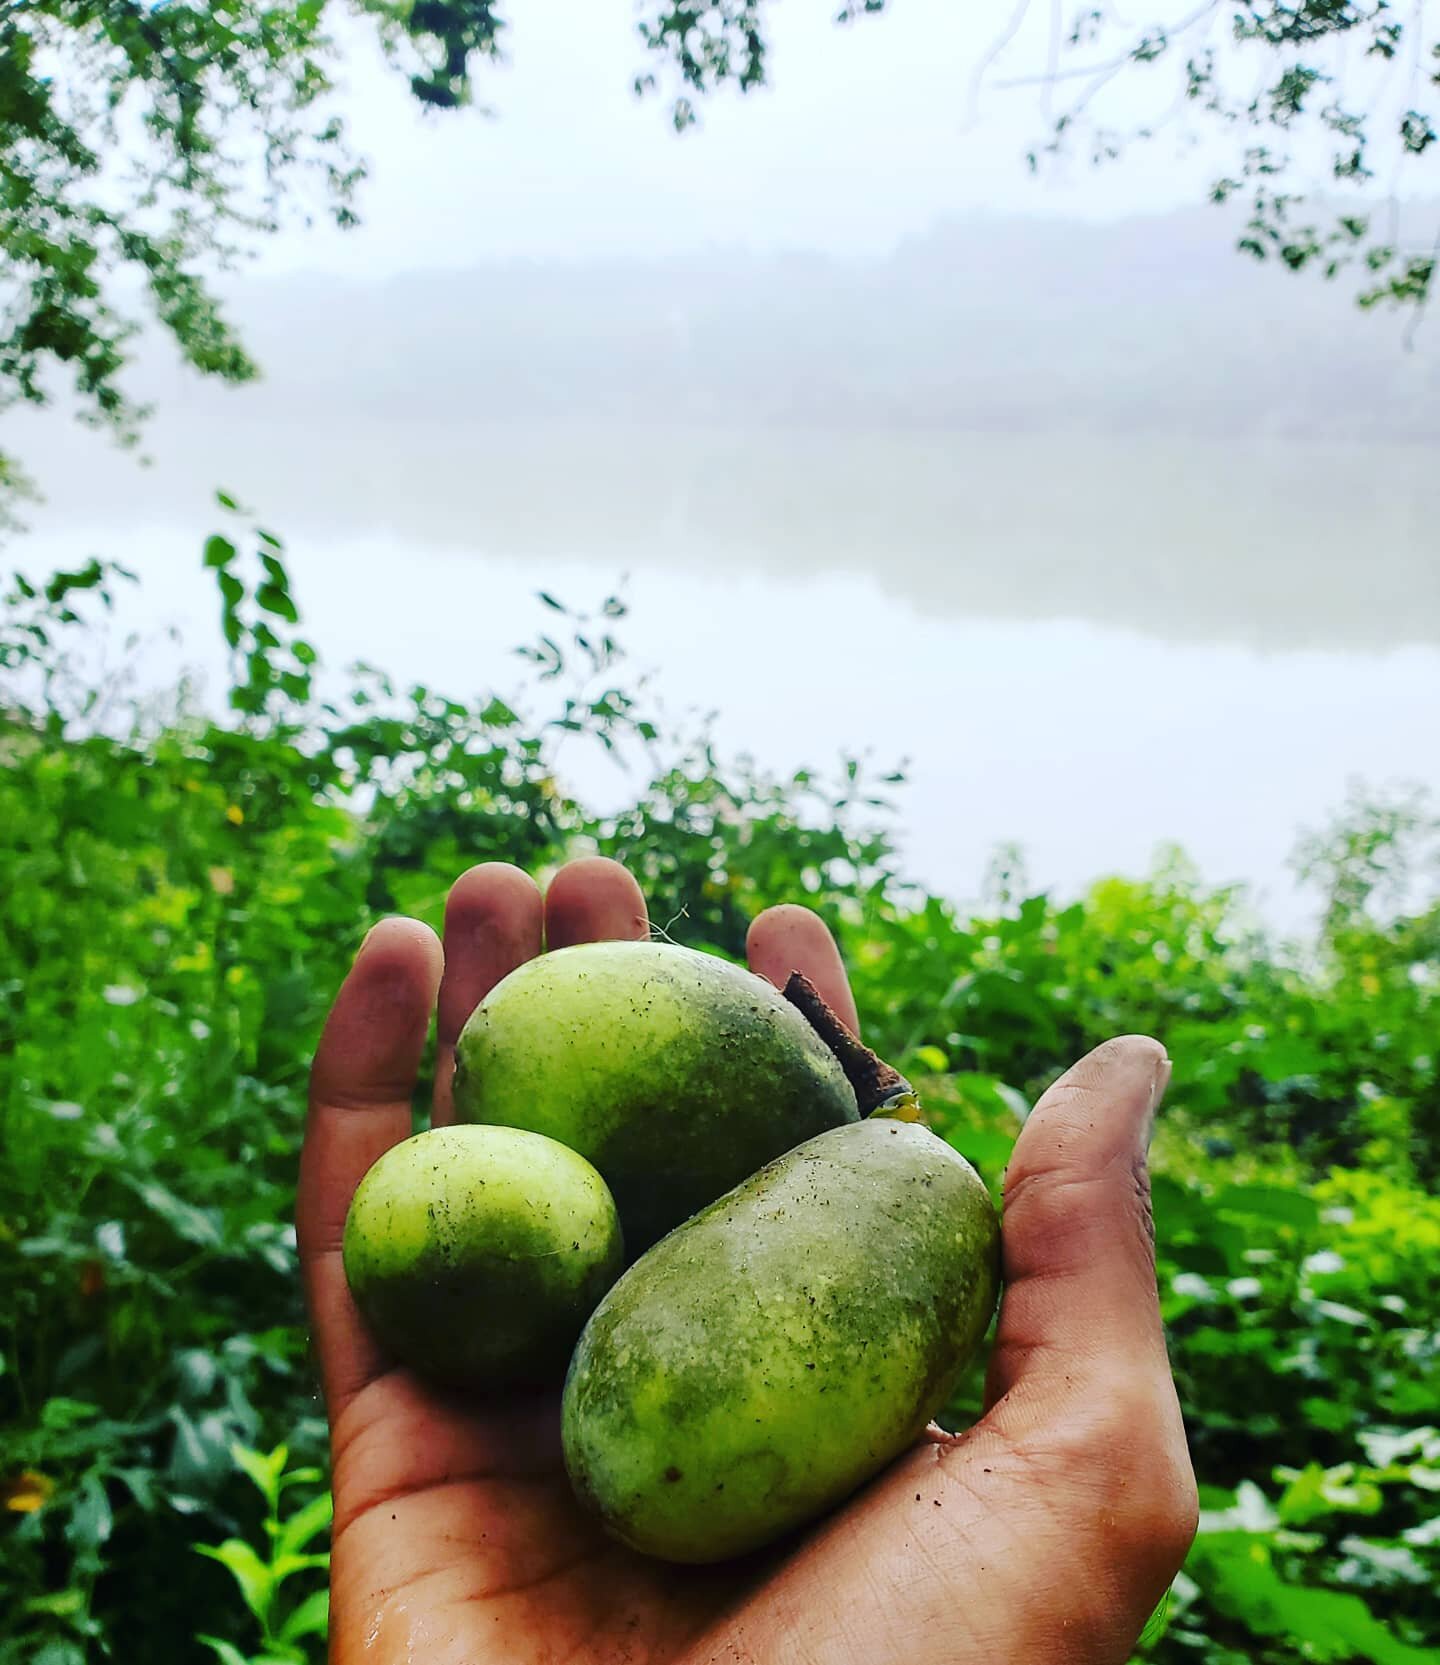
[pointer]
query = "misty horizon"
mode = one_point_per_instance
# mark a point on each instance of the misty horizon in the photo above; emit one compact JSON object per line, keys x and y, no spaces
{"x":1005,"y":418}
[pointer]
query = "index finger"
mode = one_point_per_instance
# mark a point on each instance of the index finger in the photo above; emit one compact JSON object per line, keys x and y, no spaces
{"x":493,"y":923}
{"x":361,"y":1085}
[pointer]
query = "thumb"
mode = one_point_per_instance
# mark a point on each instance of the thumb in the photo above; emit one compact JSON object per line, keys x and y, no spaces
{"x":1078,"y":1244}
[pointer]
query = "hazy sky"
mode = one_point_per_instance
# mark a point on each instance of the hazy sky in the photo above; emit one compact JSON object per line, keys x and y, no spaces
{"x":863,"y":136}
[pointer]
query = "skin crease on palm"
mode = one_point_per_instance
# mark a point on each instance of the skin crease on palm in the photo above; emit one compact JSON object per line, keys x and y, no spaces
{"x":1044,"y":1535}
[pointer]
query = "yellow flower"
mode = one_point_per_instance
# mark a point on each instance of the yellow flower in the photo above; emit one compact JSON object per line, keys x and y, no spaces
{"x":234,"y":815}
{"x":25,"y":1492}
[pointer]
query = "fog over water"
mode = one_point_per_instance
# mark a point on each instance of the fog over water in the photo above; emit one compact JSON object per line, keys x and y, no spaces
{"x":1117,"y":538}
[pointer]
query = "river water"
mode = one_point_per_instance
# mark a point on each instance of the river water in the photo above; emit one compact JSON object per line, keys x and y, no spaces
{"x":1091,"y":647}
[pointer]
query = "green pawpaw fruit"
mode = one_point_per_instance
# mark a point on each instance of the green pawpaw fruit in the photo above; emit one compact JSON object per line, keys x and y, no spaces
{"x":675,"y":1073}
{"x":476,"y":1254}
{"x":784,"y":1345}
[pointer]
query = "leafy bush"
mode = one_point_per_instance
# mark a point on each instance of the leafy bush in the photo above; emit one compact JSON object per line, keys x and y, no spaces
{"x":183,"y":894}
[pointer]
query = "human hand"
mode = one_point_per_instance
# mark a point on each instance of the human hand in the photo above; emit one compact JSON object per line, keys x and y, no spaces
{"x":1045,"y":1533}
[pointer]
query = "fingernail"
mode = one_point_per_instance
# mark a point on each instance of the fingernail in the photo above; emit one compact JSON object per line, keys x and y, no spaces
{"x":1158,"y":1083}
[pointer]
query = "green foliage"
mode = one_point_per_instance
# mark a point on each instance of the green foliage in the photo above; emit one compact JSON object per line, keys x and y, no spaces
{"x":207,"y":110}
{"x":439,"y":39}
{"x":710,"y":44}
{"x":183,"y":894}
{"x":1301,"y":1329}
{"x":155,"y":142}
{"x":284,"y":1622}
{"x":1276,"y":76}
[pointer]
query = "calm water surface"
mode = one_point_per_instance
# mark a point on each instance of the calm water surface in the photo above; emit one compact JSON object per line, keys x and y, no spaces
{"x":1090,"y":647}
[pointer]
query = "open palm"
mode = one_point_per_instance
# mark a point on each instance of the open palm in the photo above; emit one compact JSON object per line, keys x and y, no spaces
{"x":1046,"y":1533}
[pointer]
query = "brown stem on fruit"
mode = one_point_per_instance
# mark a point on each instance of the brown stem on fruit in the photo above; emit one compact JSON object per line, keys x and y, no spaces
{"x":877,"y":1086}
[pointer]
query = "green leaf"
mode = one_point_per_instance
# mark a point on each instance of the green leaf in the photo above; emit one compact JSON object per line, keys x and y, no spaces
{"x":1283,"y":1056}
{"x":987,"y":1150}
{"x":59,"y":1415}
{"x":195,"y":1225}
{"x":1316,"y":1491}
{"x":91,"y":1521}
{"x":1016,"y":1103}
{"x":141,"y":1484}
{"x":1157,"y":1624}
{"x":58,"y":1652}
{"x":263,"y":1469}
{"x":496,"y":714}
{"x":276,"y":600}
{"x":1268,"y":1202}
{"x":228,"y":1653}
{"x":1245,"y":1510}
{"x":1384,"y":1446}
{"x":310,"y":1618}
{"x":1338,"y":1313}
{"x":60,"y":1604}
{"x":286,"y":1566}
{"x":305,"y":1524}
{"x":257,"y":1585}
{"x":219,"y":552}
{"x":63,"y":583}
{"x":1238,"y":1577}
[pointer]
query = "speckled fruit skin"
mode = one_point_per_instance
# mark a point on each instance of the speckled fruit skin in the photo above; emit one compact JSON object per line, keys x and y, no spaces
{"x":774,"y":1352}
{"x":477,"y":1253}
{"x":676,"y":1073}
